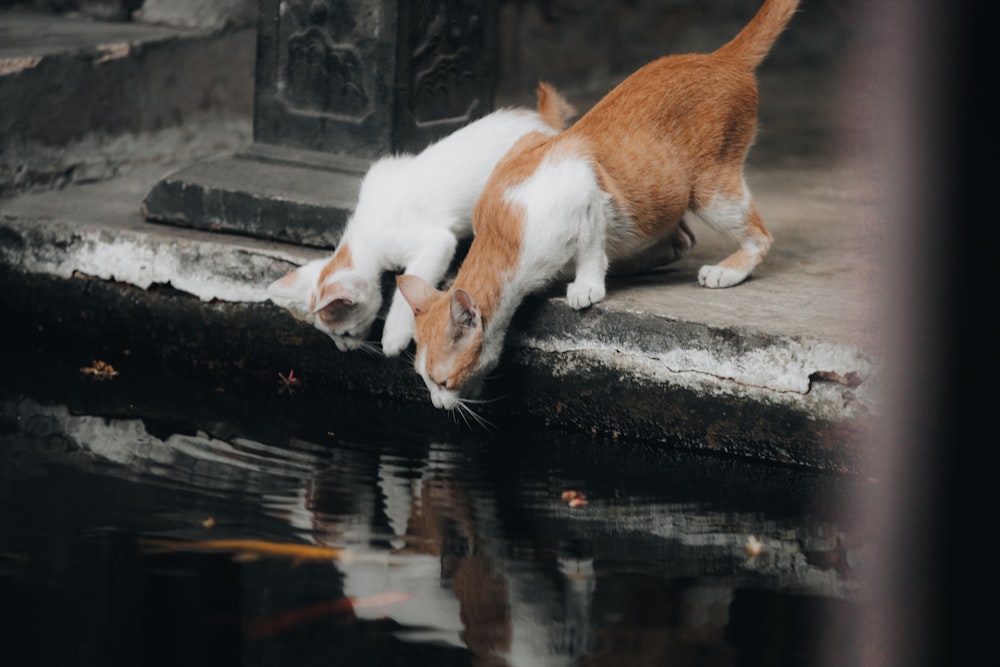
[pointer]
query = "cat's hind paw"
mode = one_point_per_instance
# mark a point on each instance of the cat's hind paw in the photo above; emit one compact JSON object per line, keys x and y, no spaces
{"x":716,"y":276}
{"x":581,"y":295}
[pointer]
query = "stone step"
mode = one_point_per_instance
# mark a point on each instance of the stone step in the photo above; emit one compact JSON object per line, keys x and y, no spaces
{"x":82,"y":99}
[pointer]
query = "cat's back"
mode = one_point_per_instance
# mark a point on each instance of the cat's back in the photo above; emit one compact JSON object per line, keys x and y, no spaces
{"x":473,"y":150}
{"x":663,"y":130}
{"x":675,"y":99}
{"x":535,"y":200}
{"x":403,"y":196}
{"x":447,"y":179}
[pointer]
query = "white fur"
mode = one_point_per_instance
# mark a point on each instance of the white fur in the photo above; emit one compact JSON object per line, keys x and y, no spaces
{"x":441,"y":398}
{"x":727,"y":215}
{"x":411,"y":213}
{"x":566,"y":215}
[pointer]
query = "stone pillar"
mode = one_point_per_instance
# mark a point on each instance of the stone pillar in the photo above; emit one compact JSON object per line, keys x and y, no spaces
{"x":338,"y":84}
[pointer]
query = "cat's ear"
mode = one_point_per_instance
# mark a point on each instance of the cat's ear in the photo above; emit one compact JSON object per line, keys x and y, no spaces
{"x":417,"y":292}
{"x":553,"y":107}
{"x":346,"y":291}
{"x":465,"y":314}
{"x":297,"y":285}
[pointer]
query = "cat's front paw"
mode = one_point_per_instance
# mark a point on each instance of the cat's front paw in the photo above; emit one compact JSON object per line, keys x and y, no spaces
{"x":581,"y":295}
{"x":396,"y":335}
{"x":715,"y":276}
{"x":393,"y":343}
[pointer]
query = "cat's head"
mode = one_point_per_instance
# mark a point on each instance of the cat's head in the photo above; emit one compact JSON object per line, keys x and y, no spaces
{"x":449,"y":337}
{"x":339,"y":301}
{"x":344,"y":307}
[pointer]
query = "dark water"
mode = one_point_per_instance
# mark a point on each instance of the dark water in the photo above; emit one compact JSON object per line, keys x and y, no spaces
{"x":148,"y":520}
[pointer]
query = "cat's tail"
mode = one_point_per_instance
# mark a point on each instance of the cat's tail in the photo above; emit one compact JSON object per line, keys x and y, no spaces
{"x":553,"y":107}
{"x":754,"y":42}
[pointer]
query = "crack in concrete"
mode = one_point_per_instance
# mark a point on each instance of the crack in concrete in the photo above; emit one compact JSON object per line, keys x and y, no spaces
{"x":703,"y":371}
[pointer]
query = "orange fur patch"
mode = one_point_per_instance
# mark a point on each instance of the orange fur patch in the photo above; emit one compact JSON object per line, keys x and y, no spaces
{"x":341,"y":260}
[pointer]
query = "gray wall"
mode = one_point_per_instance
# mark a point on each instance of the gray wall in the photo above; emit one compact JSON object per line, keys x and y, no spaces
{"x":572,"y":43}
{"x":589,"y":42}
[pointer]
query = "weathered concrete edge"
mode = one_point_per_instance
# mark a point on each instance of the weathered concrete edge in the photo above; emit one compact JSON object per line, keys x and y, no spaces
{"x":734,"y":361}
{"x":777,"y":398}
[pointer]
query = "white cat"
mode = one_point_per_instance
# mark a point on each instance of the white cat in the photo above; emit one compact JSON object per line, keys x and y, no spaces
{"x":412,"y":212}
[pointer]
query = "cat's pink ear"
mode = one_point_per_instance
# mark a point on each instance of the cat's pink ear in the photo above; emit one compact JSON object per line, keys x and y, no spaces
{"x":335,"y":295}
{"x":333,"y":303}
{"x":297,"y":285}
{"x":465,"y":314}
{"x":290,"y":281}
{"x":417,"y":292}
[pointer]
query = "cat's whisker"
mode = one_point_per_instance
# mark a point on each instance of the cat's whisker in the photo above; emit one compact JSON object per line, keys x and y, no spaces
{"x":466,"y":412}
{"x":465,"y":416}
{"x":460,"y":411}
{"x":369,"y":347}
{"x":485,"y":424}
{"x":484,"y":401}
{"x":457,"y":413}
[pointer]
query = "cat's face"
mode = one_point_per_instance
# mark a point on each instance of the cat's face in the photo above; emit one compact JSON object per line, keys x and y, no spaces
{"x":449,"y":338}
{"x":340,"y":302}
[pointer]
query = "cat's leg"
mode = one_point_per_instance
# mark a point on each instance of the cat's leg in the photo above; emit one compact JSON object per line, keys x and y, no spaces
{"x":682,"y":241}
{"x":587,"y":287}
{"x":668,"y":249}
{"x":735,"y":215}
{"x":430,"y":261}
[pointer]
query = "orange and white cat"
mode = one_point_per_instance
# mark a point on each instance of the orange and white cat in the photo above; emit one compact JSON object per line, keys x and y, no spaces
{"x":412,"y":211}
{"x":669,"y":141}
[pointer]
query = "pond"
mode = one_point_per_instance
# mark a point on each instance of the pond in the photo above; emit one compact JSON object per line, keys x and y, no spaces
{"x":158,"y":519}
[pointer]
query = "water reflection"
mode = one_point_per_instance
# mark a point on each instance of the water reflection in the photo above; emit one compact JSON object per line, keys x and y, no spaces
{"x":146,"y":539}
